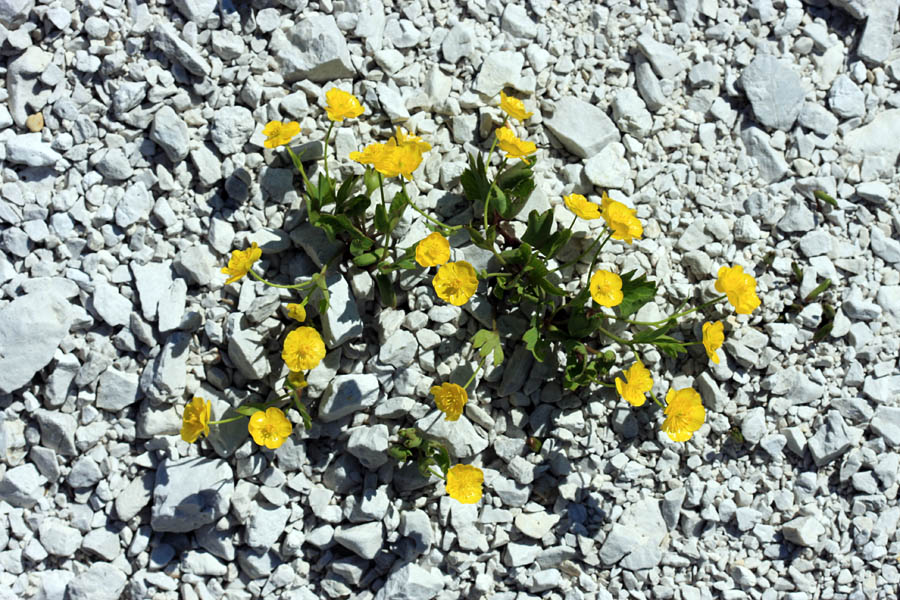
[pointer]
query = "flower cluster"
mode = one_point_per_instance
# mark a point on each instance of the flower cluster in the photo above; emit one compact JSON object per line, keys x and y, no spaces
{"x":400,"y":156}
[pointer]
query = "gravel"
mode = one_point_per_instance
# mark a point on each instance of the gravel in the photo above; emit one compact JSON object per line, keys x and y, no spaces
{"x":130,"y":135}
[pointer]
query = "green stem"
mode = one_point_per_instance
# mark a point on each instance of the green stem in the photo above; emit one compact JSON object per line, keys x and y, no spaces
{"x":658,"y":402}
{"x":586,"y":252}
{"x":441,"y":475}
{"x":299,"y":166}
{"x":613,"y":336}
{"x":223,"y":421}
{"x":295,"y":286}
{"x":493,"y":145}
{"x":450,"y":228}
{"x":488,"y":275}
{"x":472,"y":378}
{"x":325,"y":149}
{"x":597,"y":252}
{"x":675,"y":316}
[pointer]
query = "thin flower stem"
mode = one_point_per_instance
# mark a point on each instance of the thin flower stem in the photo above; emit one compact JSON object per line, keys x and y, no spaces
{"x":493,"y":145}
{"x":325,"y":149}
{"x":450,"y":228}
{"x":472,"y":378}
{"x":675,"y":316}
{"x":613,"y":336}
{"x":597,"y":253}
{"x":488,"y":275}
{"x":586,"y":252}
{"x":299,"y":165}
{"x":223,"y":421}
{"x":657,"y":400}
{"x":295,"y":286}
{"x":440,"y":475}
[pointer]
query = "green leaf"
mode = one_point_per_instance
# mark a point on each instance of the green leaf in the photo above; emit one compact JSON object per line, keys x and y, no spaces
{"x":517,"y":183}
{"x":474,"y":181}
{"x":557,"y":241}
{"x":798,"y":272}
{"x":372,"y":180}
{"x":535,"y":343}
{"x":386,"y":290}
{"x":580,"y":326}
{"x":382,"y":223}
{"x":356,"y":206}
{"x":400,"y":454}
{"x":819,"y":289}
{"x":398,"y":204}
{"x":249,"y":409}
{"x":669,"y":346}
{"x":358,"y":245}
{"x":820,"y":195}
{"x":364,"y":260}
{"x":637,"y":291}
{"x":488,"y":341}
{"x":408,"y":263}
{"x":539,"y":225}
{"x":648,"y":335}
{"x":326,"y":190}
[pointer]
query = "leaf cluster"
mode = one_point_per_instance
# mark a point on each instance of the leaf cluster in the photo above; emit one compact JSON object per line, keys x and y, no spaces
{"x":413,"y":446}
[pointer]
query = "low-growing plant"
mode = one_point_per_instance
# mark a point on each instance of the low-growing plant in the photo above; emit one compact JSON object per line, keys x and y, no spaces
{"x":573,"y":327}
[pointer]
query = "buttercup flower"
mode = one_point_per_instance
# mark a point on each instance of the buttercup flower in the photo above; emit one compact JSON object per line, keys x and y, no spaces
{"x":450,"y":400}
{"x":410,"y":141}
{"x":241,"y":262}
{"x":401,"y":155}
{"x":740,"y":288}
{"x":639,"y":383}
{"x":296,"y":380}
{"x":303,"y":349}
{"x":464,"y":483}
{"x":279,"y":134}
{"x":713,"y":337}
{"x":195,"y":420}
{"x":606,"y":288}
{"x":684,"y":414}
{"x":455,"y":282}
{"x":270,"y":427}
{"x":582,"y":207}
{"x":513,"y":107}
{"x":433,"y":250}
{"x":296,"y":311}
{"x":513,"y":146}
{"x":621,"y":220}
{"x":369,"y":154}
{"x":342,"y":105}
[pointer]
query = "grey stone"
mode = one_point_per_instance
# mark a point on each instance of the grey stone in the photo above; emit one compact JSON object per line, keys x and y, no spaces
{"x":28,"y":149}
{"x":341,"y":322}
{"x":582,"y":128}
{"x":671,"y":506}
{"x":635,"y":537}
{"x":664,"y":59}
{"x":884,"y":247}
{"x":831,"y":440}
{"x":171,"y":133}
{"x":770,"y":162}
{"x":803,"y":531}
{"x":208,"y":166}
{"x":203,"y":564}
{"x":704,"y":74}
{"x":136,"y":495}
{"x":58,"y":538}
{"x":609,"y":168}
{"x":198,"y":265}
{"x":171,"y":306}
{"x":135,"y":205}
{"x":57,"y":431}
{"x":498,"y":71}
{"x":196,"y":10}
{"x":347,"y":394}
{"x":247,"y":350}
{"x":846,"y":99}
{"x":113,"y":307}
{"x":232,"y":128}
{"x":648,"y":85}
{"x":33,"y":325}
{"x":190,"y":493}
{"x":875,"y":45}
{"x":114,"y":165}
{"x":152,"y":281}
{"x":227,"y":45}
{"x":85,"y":473}
{"x":43,"y":458}
{"x":460,"y":437}
{"x":858,"y":308}
{"x":20,"y":81}
{"x":816,"y":117}
{"x":886,"y":423}
{"x":364,"y":540}
{"x":103,"y":543}
{"x":458,"y":43}
{"x":21,"y":486}
{"x":517,"y":23}
{"x":128,"y":95}
{"x":53,"y":583}
{"x":369,"y":444}
{"x":14,"y":13}
{"x":411,"y":582}
{"x":775,"y":91}
{"x":399,"y":349}
{"x":415,"y":525}
{"x":266,"y":525}
{"x":536,"y":525}
{"x":753,"y":426}
{"x":168,"y":40}
{"x":876,"y":192}
{"x":877,"y":139}
{"x":631,"y":115}
{"x":101,"y":581}
{"x":797,"y":218}
{"x":314,"y":49}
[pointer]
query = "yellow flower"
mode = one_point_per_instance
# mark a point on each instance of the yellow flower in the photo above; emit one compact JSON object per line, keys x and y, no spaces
{"x":464,"y":483}
{"x":296,"y":311}
{"x":433,"y":250}
{"x":369,"y":155}
{"x":606,"y":288}
{"x":269,"y":428}
{"x":407,"y":140}
{"x":455,"y":282}
{"x":582,"y":207}
{"x":241,"y":262}
{"x":342,"y":105}
{"x":514,"y":107}
{"x":401,"y":155}
{"x":303,"y":349}
{"x":740,"y":288}
{"x":513,"y":146}
{"x":639,"y":383}
{"x":621,"y":220}
{"x":684,"y":414}
{"x":450,"y":400}
{"x":195,"y":420}
{"x":279,"y":134}
{"x":713,"y":337}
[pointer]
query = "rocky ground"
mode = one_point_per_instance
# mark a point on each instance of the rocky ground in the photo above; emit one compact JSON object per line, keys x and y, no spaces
{"x":132,"y":164}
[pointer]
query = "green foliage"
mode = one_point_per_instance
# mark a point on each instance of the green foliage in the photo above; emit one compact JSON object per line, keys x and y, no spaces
{"x":412,"y":446}
{"x":637,"y":291}
{"x":488,"y":341}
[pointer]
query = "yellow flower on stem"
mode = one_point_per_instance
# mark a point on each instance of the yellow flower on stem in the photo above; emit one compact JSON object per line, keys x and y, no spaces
{"x":433,"y":250}
{"x":401,"y":155}
{"x":278,"y":133}
{"x":270,"y":427}
{"x":606,"y":288}
{"x":342,"y":105}
{"x":195,"y":420}
{"x":713,"y":338}
{"x":455,"y":282}
{"x":464,"y":483}
{"x":450,"y":400}
{"x":740,"y":288}
{"x":296,"y":381}
{"x":514,"y":107}
{"x":410,"y":141}
{"x":303,"y":349}
{"x":296,"y":312}
{"x":512,"y":145}
{"x":241,"y":262}
{"x":621,"y":220}
{"x":684,"y":414}
{"x":369,"y":155}
{"x":582,"y":207}
{"x":639,"y":383}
